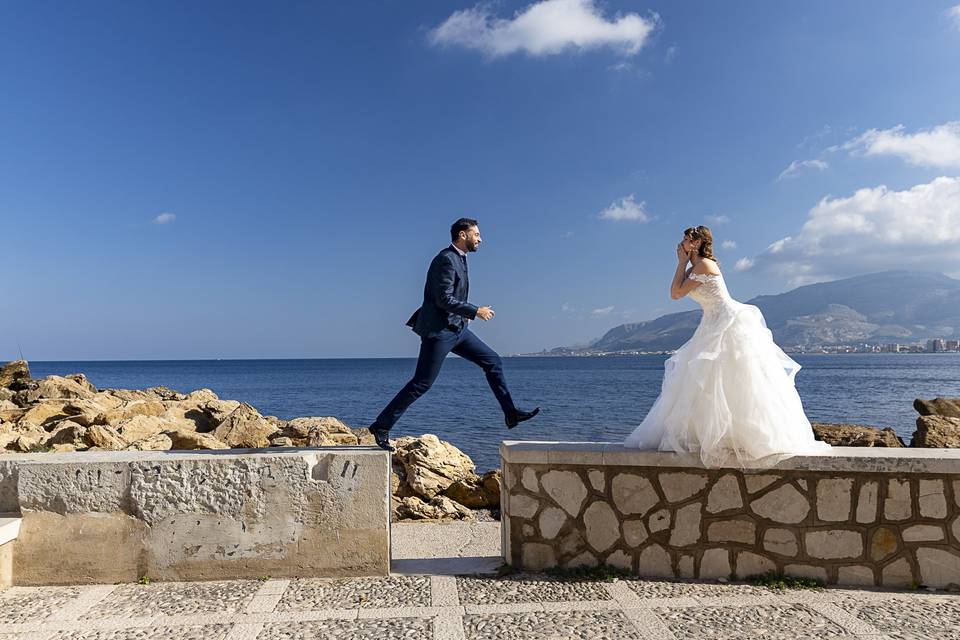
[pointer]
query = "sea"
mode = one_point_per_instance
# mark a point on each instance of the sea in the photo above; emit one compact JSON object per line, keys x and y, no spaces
{"x":581,"y":398}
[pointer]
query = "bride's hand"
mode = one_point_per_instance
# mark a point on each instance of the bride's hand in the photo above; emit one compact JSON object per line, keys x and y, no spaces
{"x":682,"y":256}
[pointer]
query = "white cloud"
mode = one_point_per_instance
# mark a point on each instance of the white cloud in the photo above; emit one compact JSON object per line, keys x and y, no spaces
{"x":605,"y":311}
{"x":620,"y":66}
{"x":873,"y":229}
{"x":743,"y":264}
{"x":718,"y":219}
{"x":799,"y":165}
{"x":954,"y":14}
{"x":165,"y":218}
{"x":544,"y":28}
{"x":729,"y":244}
{"x":671,"y":53}
{"x":566,"y":307}
{"x":626,"y":209}
{"x":935,"y":147}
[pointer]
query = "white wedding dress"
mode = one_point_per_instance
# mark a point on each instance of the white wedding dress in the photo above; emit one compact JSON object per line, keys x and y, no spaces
{"x":728,"y":394}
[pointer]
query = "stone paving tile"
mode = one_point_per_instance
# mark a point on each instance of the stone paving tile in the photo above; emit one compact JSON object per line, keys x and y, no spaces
{"x":908,"y":617}
{"x":528,"y":588}
{"x":551,"y":625}
{"x":770,"y":622}
{"x":380,"y":629}
{"x":192,"y":632}
{"x":684,"y":588}
{"x":354,"y":593}
{"x":175,"y":599}
{"x":21,"y":605}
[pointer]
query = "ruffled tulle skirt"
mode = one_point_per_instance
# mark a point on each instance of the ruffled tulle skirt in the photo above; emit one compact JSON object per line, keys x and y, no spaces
{"x":728,"y":396}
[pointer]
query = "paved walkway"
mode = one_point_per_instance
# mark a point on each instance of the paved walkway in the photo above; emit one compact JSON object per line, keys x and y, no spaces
{"x":447,"y":607}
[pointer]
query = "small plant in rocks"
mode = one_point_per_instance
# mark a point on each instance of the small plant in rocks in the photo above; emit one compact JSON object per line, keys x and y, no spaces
{"x":143,"y":580}
{"x":602,"y":573}
{"x":780,"y":582}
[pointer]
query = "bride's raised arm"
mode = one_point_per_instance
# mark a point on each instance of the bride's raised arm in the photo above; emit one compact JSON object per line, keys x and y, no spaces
{"x":681,"y":285}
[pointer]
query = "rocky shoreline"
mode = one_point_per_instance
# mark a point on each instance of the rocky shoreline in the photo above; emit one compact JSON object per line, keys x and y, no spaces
{"x":432,"y":479}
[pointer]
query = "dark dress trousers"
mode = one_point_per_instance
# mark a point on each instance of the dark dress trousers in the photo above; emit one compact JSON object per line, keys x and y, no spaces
{"x":441,"y":322}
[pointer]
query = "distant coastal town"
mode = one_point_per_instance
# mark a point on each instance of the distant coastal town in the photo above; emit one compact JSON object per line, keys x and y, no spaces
{"x":930,"y":346}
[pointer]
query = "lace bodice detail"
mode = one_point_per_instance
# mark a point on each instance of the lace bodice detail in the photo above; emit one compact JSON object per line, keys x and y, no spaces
{"x":712,"y":293}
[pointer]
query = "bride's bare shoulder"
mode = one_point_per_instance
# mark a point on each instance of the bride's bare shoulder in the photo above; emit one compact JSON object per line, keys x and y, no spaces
{"x":707,"y":267}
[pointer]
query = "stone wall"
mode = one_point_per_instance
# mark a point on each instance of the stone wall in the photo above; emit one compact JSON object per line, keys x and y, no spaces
{"x":103,"y":517}
{"x":859,"y":516}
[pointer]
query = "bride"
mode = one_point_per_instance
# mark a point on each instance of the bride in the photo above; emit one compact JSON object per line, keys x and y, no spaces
{"x":728,"y":394}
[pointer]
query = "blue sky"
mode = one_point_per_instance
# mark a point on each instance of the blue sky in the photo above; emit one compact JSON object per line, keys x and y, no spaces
{"x":230,"y":180}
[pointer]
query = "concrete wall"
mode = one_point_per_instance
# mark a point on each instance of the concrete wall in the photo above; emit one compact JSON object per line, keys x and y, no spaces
{"x":103,"y":517}
{"x":859,"y":516}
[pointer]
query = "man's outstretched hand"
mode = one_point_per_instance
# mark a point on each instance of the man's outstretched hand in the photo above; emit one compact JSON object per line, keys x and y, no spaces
{"x":485,"y":313}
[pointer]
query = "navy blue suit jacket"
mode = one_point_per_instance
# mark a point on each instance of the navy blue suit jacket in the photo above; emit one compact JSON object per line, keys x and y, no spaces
{"x":445,"y":293}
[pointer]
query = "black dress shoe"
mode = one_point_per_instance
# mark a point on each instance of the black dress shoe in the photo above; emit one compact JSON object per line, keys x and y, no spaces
{"x":518,"y":416}
{"x":382,"y":438}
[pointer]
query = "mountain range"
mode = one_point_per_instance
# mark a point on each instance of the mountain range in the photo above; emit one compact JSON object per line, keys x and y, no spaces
{"x":886,"y":307}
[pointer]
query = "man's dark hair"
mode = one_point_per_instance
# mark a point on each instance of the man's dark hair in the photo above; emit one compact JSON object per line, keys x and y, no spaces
{"x":462,"y":224}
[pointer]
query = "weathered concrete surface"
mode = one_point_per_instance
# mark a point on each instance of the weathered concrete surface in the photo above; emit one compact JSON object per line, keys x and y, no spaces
{"x":115,"y":516}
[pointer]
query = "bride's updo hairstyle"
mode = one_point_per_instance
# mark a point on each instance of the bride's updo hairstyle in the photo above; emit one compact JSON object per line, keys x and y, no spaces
{"x":706,"y":241}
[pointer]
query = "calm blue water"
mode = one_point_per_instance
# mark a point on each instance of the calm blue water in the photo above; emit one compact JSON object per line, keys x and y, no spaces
{"x":581,"y":398}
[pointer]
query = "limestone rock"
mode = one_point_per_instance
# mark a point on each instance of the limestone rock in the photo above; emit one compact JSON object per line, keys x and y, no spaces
{"x":523,"y":506}
{"x":856,"y":435}
{"x":939,"y":568}
{"x":859,"y":576}
{"x":187,"y":439}
{"x":14,"y":371}
{"x":806,"y":571}
{"x":431,"y":464}
{"x":883,"y":544}
{"x":949,"y":407}
{"x":834,"y":544}
{"x":105,"y":437}
{"x":780,"y":541}
{"x":677,"y":487}
{"x":757,"y":482}
{"x":141,"y":428}
{"x":686,"y":525}
{"x":551,"y":522}
{"x":601,"y":525}
{"x":785,"y":504}
{"x":205,"y":414}
{"x":68,"y":432}
{"x":655,"y":562}
{"x":659,"y":521}
{"x":477,"y":492}
{"x":897,"y":574}
{"x":867,"y":503}
{"x":166,"y":393}
{"x":536,"y":556}
{"x":714,"y":564}
{"x":923,"y":533}
{"x":733,"y":530}
{"x":752,"y":564}
{"x":724,"y":495}
{"x":633,"y":494}
{"x":245,"y":428}
{"x":41,"y":413}
{"x":634,"y":533}
{"x":834,"y":497}
{"x":620,"y":560}
{"x":315,"y":431}
{"x":60,"y":388}
{"x":933,"y":501}
{"x":585,"y":559}
{"x":129,"y":409}
{"x":529,"y":480}
{"x":81,"y":380}
{"x":159,"y":442}
{"x":936,"y":432}
{"x":898,"y":505}
{"x":567,"y":489}
{"x":439,"y":508}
